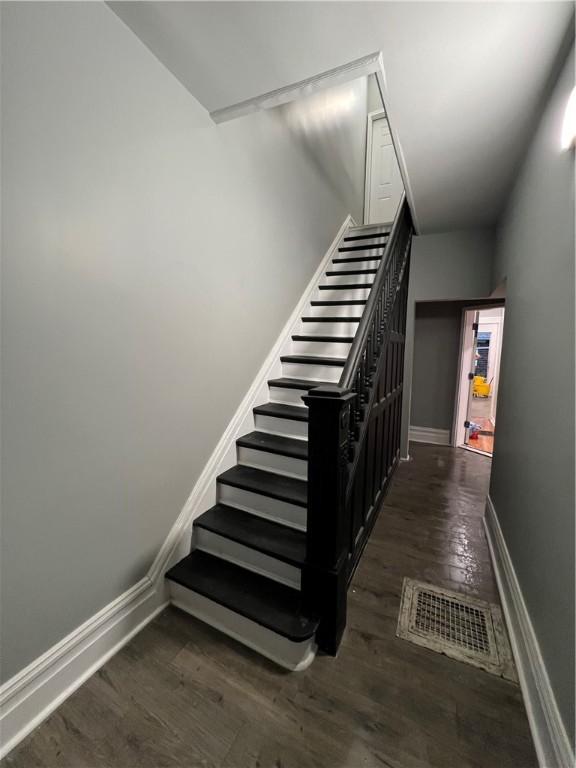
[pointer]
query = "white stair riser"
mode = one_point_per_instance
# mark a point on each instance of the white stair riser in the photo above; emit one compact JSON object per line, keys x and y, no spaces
{"x":369,"y":249}
{"x":287,"y":396}
{"x":346,"y":279}
{"x":272,"y":509}
{"x":246,"y":557}
{"x":329,"y":373}
{"x":367,"y":229}
{"x":290,"y":655}
{"x":322,"y":348}
{"x":284,"y":427}
{"x":273,"y":462}
{"x":328,"y":329}
{"x":345,"y":310}
{"x":339,"y":294}
{"x":368,"y":264}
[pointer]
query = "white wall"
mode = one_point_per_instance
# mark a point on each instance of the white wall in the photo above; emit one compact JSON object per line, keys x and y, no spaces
{"x":447,"y":266}
{"x":463,"y":78}
{"x":150,"y":259}
{"x":532,"y":485}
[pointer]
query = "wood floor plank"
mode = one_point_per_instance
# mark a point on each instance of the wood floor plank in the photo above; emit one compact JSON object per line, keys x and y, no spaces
{"x":182,"y":694}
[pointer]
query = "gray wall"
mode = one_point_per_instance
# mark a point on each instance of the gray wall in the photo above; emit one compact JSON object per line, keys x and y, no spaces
{"x":446,"y":266}
{"x":150,"y":259}
{"x":532,"y":483}
{"x":436,"y":350}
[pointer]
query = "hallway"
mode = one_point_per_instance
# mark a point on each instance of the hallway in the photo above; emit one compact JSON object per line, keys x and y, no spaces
{"x":181,"y":694}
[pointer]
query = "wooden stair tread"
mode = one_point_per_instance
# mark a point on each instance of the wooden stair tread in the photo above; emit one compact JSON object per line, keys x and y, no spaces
{"x":262,"y":600}
{"x":283,"y":446}
{"x":272,"y":539}
{"x":287,"y":489}
{"x":281,"y":411}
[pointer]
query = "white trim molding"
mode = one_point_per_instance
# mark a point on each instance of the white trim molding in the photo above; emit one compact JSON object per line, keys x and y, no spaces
{"x":548,"y":731}
{"x":342,"y":74}
{"x":429,"y":435}
{"x":34,"y":693}
{"x":372,"y":64}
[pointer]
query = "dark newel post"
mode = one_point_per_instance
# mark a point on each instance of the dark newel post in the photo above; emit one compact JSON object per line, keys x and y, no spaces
{"x":324,"y":578}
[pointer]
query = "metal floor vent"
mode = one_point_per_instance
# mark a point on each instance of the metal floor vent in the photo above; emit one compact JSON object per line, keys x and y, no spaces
{"x":461,"y":627}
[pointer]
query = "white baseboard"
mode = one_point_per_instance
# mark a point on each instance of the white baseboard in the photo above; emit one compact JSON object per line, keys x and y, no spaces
{"x":35,"y":692}
{"x":429,"y":435}
{"x":32,"y":694}
{"x":548,"y":731}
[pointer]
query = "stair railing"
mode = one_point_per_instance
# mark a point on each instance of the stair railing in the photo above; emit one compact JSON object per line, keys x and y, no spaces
{"x":354,"y":440}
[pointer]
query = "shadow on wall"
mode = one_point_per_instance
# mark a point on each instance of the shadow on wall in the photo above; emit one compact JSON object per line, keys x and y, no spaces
{"x":331,"y":128}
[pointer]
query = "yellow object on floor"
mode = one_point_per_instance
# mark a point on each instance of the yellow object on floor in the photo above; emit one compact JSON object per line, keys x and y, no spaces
{"x":480,"y":387}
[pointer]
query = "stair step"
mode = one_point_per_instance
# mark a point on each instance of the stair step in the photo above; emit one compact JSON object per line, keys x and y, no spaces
{"x":266,"y":602}
{"x":283,"y":446}
{"x":330,"y":320}
{"x":280,"y":411}
{"x":344,"y":286}
{"x":313,"y":360}
{"x":356,"y":259}
{"x":340,"y":273}
{"x":290,"y":389}
{"x":286,"y":489}
{"x":286,"y":382}
{"x":272,"y":539}
{"x":333,"y":339}
{"x":371,"y":236}
{"x":363,"y":247}
{"x":336,"y":303}
{"x":383,"y":228}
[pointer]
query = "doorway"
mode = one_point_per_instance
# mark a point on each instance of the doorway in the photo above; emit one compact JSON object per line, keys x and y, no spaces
{"x":384,"y":185}
{"x":479,"y":375}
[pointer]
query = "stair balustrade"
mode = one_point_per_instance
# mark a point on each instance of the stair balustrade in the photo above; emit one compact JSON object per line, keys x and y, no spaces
{"x":354,"y":440}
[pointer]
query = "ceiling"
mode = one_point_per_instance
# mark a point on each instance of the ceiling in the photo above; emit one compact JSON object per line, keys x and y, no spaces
{"x":464,"y":78}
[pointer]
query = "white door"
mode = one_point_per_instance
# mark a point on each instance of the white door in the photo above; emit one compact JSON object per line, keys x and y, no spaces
{"x":384,"y":186}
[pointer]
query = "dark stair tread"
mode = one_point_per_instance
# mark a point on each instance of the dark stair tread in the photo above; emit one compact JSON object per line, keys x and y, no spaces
{"x":344,"y":286}
{"x":330,"y":319}
{"x":278,"y":541}
{"x":339,"y":273}
{"x":283,"y":446}
{"x":363,"y":247}
{"x":338,"y":339}
{"x":262,"y":600}
{"x":281,"y":411}
{"x":352,"y":259}
{"x":367,"y":237}
{"x":286,"y":382}
{"x":337,"y":302}
{"x":288,"y":489}
{"x":313,"y":360}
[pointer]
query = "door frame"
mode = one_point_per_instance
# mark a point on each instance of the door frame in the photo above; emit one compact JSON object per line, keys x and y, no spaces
{"x":461,"y":400}
{"x":377,"y":114}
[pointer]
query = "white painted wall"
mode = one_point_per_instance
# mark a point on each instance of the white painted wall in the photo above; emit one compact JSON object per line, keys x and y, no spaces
{"x":445,"y":267}
{"x":150,"y":259}
{"x":532,"y":485}
{"x":463,"y":78}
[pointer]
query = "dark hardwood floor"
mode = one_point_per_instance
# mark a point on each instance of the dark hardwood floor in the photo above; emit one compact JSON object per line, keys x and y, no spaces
{"x":181,"y":694}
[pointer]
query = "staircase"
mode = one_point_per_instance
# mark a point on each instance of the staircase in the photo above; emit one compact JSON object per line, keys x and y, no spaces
{"x":244,"y":574}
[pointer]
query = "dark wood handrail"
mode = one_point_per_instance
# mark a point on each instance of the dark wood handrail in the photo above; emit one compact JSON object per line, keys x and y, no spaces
{"x":357,"y":348}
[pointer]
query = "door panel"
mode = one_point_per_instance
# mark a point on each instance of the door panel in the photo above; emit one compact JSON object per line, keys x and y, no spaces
{"x":385,"y":180}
